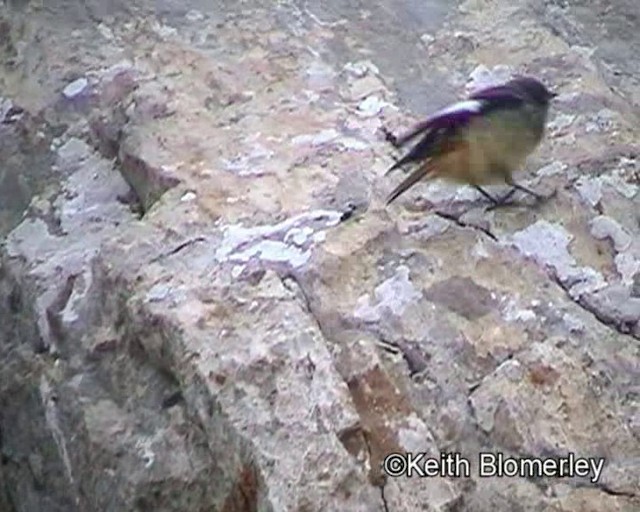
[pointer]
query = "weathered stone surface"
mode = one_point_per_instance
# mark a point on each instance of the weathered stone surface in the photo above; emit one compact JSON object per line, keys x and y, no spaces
{"x":204,"y":304}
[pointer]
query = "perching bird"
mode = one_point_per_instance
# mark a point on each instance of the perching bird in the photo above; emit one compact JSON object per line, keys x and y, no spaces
{"x":481,"y":140}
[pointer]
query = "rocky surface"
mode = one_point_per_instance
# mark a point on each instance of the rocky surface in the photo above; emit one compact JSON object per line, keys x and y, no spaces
{"x":205,"y":305}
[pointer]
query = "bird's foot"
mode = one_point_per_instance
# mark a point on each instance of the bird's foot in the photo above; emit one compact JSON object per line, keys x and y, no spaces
{"x":504,"y":201}
{"x":507,"y":201}
{"x":496,"y":201}
{"x":538,"y":197}
{"x":501,"y":204}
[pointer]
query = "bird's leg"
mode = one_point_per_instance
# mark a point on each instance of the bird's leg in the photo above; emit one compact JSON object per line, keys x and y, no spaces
{"x":486,"y":194}
{"x":506,"y":173}
{"x":500,"y":201}
{"x":504,"y":200}
{"x":539,"y":197}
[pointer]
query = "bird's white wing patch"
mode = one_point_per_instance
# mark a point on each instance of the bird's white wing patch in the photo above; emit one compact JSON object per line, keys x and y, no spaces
{"x":461,"y":106}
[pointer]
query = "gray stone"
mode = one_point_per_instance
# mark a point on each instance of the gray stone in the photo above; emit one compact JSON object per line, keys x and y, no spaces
{"x":463,"y":296}
{"x":603,"y":227}
{"x":615,"y":304}
{"x":590,"y":190}
{"x":75,"y":88}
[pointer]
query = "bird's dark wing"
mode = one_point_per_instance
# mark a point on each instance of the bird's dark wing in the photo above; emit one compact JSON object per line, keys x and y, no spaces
{"x":498,"y":98}
{"x":401,"y":140}
{"x":439,"y":127}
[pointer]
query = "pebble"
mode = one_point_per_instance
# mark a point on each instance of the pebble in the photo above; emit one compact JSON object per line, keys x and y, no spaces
{"x":75,"y":88}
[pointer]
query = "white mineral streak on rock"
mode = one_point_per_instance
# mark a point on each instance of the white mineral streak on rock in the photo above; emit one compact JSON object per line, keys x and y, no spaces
{"x":194,"y":15}
{"x":552,"y":169}
{"x":188,"y":197}
{"x":627,"y":265}
{"x":361,"y":68}
{"x":514,"y":313}
{"x":560,"y":123}
{"x":371,"y":106}
{"x":548,"y":244}
{"x":590,"y":190}
{"x":394,"y":294}
{"x":316,"y":139}
{"x":105,"y":31}
{"x":47,"y":395}
{"x":573,"y":323}
{"x":283,"y":242}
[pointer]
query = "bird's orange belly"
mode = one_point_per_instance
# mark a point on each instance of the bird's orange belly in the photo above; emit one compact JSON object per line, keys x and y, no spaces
{"x":480,"y":162}
{"x":466,"y":164}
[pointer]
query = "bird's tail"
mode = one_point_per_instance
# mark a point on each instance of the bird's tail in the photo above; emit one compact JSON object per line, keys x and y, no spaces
{"x":399,"y":163}
{"x":420,"y":173}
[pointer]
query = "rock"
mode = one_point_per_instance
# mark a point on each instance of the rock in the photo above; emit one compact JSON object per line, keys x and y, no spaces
{"x":482,"y":77}
{"x":590,"y":190}
{"x":151,"y":101}
{"x":361,"y":68}
{"x":622,"y":186}
{"x":105,"y":31}
{"x":427,"y":39}
{"x":75,"y":88}
{"x":194,"y":15}
{"x":392,"y":295}
{"x":9,"y":113}
{"x":316,"y":140}
{"x":559,"y":124}
{"x":463,"y":296}
{"x":371,"y":106}
{"x":604,"y":227}
{"x":117,"y":82}
{"x":548,"y":245}
{"x":615,"y":305}
{"x":552,"y":169}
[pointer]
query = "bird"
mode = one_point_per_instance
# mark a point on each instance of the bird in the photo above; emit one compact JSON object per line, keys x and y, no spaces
{"x":479,"y":141}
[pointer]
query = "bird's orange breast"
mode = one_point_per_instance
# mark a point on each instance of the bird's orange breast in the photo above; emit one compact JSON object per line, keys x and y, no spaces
{"x":482,"y":154}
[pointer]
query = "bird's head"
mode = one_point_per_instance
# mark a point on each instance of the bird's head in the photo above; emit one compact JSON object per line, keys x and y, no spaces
{"x":535,"y":90}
